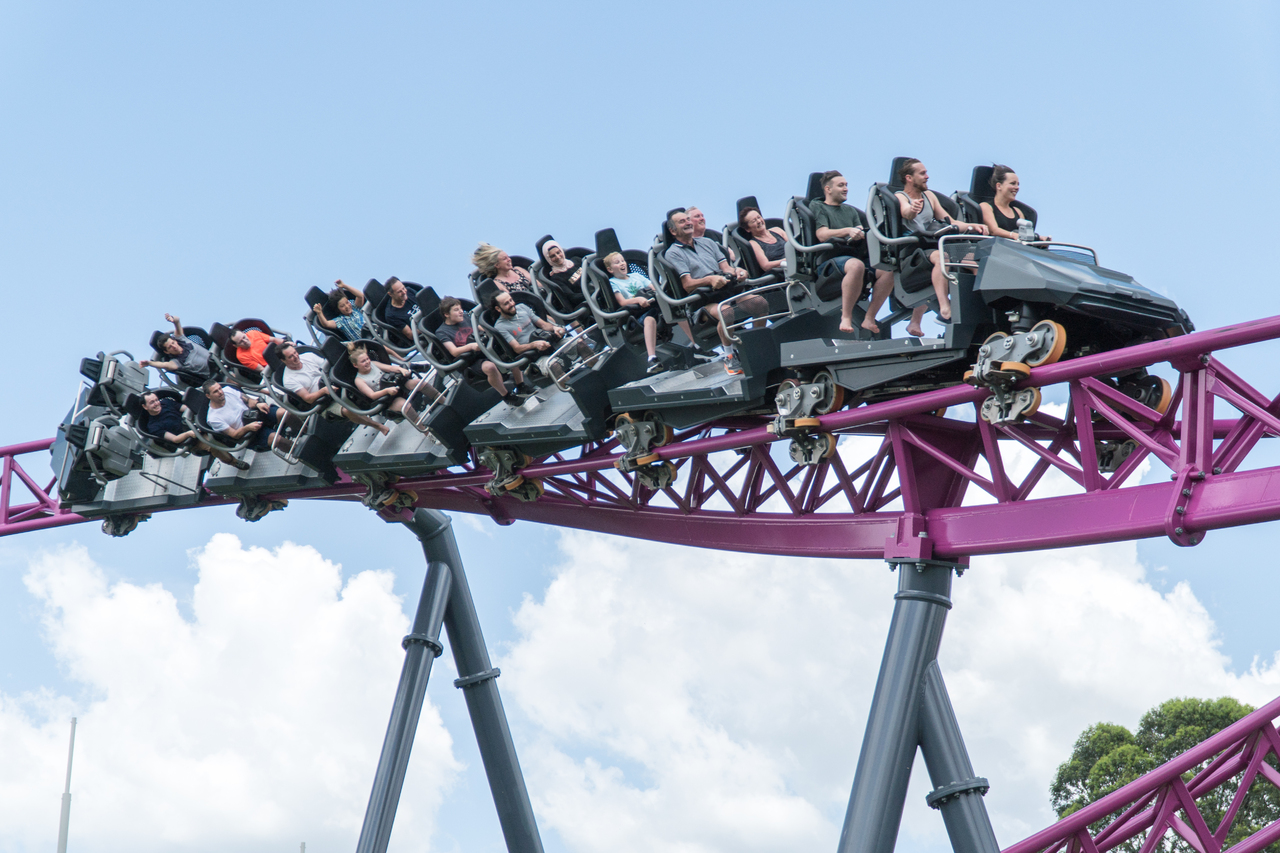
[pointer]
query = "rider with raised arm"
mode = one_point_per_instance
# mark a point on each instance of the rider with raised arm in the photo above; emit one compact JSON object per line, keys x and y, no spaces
{"x":347,"y":303}
{"x":924,"y":214}
{"x":841,"y":225}
{"x":184,"y":354}
{"x":701,"y":262}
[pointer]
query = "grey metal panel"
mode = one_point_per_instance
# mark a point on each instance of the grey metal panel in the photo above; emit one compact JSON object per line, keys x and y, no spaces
{"x":139,"y":491}
{"x":267,"y":473}
{"x":404,"y":451}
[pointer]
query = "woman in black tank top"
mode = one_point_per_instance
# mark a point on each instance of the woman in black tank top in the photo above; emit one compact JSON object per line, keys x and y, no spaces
{"x":1001,"y":224}
{"x":769,"y":245}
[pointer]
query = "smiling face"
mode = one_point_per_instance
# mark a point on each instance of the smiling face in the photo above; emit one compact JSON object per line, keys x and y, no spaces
{"x":362,"y":362}
{"x":698,"y":220}
{"x":151,"y":403}
{"x":681,"y":226}
{"x":755,"y":224}
{"x":240,"y":340}
{"x":1009,"y":186}
{"x":291,"y":359}
{"x":505,"y":304}
{"x":344,"y":306}
{"x":399,"y":293}
{"x":503,"y":265}
{"x":617,"y":266}
{"x":555,"y":256}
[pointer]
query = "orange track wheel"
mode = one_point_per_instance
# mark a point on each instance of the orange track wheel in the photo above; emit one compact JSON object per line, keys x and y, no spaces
{"x":832,"y":442}
{"x":645,"y":460}
{"x":1059,"y":342}
{"x":1166,"y":396}
{"x":665,"y":435}
{"x":514,"y":483}
{"x":1035,"y":407}
{"x":993,"y":337}
{"x":1015,"y":367}
{"x":807,"y":423}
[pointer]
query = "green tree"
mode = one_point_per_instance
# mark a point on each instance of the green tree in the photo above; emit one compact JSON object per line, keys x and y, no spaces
{"x":1107,"y":757}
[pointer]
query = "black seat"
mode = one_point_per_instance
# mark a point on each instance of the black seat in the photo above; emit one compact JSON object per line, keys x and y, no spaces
{"x":430,"y":343}
{"x":485,"y":316}
{"x":342,"y":376}
{"x":274,"y":379}
{"x":616,"y":322}
{"x":240,"y":374}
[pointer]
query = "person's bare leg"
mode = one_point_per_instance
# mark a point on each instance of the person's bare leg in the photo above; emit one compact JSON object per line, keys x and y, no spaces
{"x":913,"y":328}
{"x":714,"y":311}
{"x":850,"y":289}
{"x":688,"y":333}
{"x":941,"y":287}
{"x":651,"y":336}
{"x":357,"y":418}
{"x":496,"y":382}
{"x":879,"y":293}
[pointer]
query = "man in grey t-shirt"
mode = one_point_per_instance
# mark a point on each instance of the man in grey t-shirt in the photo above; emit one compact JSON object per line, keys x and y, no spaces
{"x":700,"y":262}
{"x":840,"y":224}
{"x":517,"y":322}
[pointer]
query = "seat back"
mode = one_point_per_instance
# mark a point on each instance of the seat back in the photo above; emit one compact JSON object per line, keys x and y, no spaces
{"x":342,"y":373}
{"x":980,"y":190}
{"x":736,"y":238}
{"x":565,"y":301}
{"x":141,"y":420}
{"x":113,"y":379}
{"x":488,"y":319}
{"x":387,"y":333}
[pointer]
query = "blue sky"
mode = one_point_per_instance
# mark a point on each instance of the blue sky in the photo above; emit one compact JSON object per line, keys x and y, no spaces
{"x":216,"y":162}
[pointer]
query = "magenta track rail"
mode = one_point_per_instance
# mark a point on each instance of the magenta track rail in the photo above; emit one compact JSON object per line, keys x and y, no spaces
{"x":914,"y":484}
{"x":1162,"y":803}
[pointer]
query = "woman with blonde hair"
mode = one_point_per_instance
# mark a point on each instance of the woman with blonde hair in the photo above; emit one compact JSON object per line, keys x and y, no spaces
{"x":378,"y":381}
{"x":496,"y":264}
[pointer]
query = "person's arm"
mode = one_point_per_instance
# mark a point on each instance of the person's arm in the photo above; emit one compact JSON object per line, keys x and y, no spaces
{"x":909,"y":209}
{"x":521,"y":349}
{"x":356,"y":297}
{"x":179,"y":438}
{"x":160,"y":365}
{"x":715,"y":281}
{"x":391,"y":368}
{"x":321,"y":319}
{"x":730,"y":272}
{"x":455,"y":350}
{"x":940,"y":214}
{"x":989,"y":219}
{"x":177,"y":324}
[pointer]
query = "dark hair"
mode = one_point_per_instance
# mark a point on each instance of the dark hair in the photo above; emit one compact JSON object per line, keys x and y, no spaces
{"x":207,"y":384}
{"x":670,"y":217}
{"x":149,"y":393}
{"x":998,"y":174}
{"x":907,"y":167}
{"x":446,"y":305}
{"x":162,"y":339}
{"x":828,"y":177}
{"x":742,"y":216}
{"x":337,"y":295}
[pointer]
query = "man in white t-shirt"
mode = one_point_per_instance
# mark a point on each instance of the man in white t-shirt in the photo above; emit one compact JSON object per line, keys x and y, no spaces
{"x":304,"y":377}
{"x":228,"y":407}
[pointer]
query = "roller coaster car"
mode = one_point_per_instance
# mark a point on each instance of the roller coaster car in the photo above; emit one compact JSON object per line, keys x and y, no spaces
{"x":114,"y":379}
{"x":736,"y":237}
{"x":1029,"y":304}
{"x":564,"y":412}
{"x":706,"y":391}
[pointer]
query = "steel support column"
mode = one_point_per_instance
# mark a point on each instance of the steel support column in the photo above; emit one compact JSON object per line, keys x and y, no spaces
{"x":446,"y":600}
{"x":910,"y":709}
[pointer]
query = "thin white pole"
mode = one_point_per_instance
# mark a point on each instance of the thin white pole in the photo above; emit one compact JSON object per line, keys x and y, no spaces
{"x":65,"y":821}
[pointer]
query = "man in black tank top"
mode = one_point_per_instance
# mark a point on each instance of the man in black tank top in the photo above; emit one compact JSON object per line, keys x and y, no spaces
{"x":917,"y":203}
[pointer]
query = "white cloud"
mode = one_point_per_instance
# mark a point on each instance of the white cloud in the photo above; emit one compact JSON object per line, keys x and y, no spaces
{"x":688,"y":700}
{"x":255,"y":724}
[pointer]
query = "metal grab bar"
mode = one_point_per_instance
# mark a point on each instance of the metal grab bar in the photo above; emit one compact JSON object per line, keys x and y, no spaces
{"x":587,"y":362}
{"x":873,"y":195}
{"x":660,"y":291}
{"x":485,"y":348}
{"x":791,"y":237}
{"x":764,"y":318}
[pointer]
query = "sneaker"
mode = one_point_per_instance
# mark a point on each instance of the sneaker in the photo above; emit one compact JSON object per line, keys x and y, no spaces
{"x":525,"y":389}
{"x":732,"y":365}
{"x":514,"y":400}
{"x":240,"y":465}
{"x":654,"y":365}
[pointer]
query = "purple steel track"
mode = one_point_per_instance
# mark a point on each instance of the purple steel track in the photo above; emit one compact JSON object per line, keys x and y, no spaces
{"x":1163,"y":801}
{"x":915,"y":491}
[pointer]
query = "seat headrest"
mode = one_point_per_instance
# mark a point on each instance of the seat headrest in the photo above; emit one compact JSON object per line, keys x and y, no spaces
{"x":607,"y":242}
{"x":814,"y":190}
{"x":745,"y":202}
{"x":895,"y":178}
{"x":427,"y":300}
{"x":542,"y":241}
{"x":315,"y":295}
{"x":333,"y":350}
{"x":374,"y":291}
{"x":487,"y":291}
{"x":155,"y":341}
{"x":220,"y":334}
{"x":980,"y":188}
